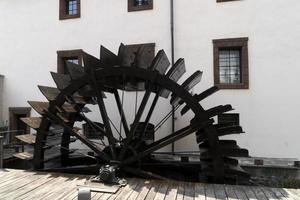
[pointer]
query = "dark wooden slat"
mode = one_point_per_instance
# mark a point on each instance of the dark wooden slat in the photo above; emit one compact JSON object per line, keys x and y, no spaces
{"x":227,"y":152}
{"x":218,"y":110}
{"x":188,"y":84}
{"x":175,"y":73}
{"x":61,"y":80}
{"x":230,"y":130}
{"x":124,"y":56}
{"x":49,"y":92}
{"x":107,"y":57}
{"x":91,"y":62}
{"x":223,"y":143}
{"x":160,"y":62}
{"x":75,"y":71}
{"x":200,"y":97}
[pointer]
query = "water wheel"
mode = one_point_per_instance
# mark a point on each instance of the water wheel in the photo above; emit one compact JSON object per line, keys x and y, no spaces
{"x":131,"y":149}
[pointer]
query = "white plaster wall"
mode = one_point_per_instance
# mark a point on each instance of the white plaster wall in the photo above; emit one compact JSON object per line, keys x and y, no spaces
{"x":1,"y":96}
{"x":269,"y":111}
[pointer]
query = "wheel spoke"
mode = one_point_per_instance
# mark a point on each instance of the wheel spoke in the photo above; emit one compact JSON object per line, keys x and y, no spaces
{"x":93,"y":125}
{"x":166,"y":141}
{"x":81,"y":137}
{"x":161,"y":122}
{"x":136,"y":121}
{"x":121,"y":111}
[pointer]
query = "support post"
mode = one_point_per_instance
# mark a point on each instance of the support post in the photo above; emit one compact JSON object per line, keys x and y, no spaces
{"x":1,"y":152}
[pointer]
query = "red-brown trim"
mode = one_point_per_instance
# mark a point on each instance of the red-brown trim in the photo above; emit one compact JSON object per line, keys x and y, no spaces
{"x":241,"y":43}
{"x":63,"y":10}
{"x":66,"y":54}
{"x":132,"y":7}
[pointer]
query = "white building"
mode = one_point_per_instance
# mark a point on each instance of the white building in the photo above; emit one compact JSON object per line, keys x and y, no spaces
{"x":32,"y":31}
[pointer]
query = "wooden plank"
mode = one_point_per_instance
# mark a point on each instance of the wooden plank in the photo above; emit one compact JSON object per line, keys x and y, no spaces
{"x":199,"y":191}
{"x":279,"y":193}
{"x":137,"y":190}
{"x":162,"y":190}
{"x":292,"y":194}
{"x":259,"y":193}
{"x":145,"y":189}
{"x":27,"y":138}
{"x":171,"y":193}
{"x":153,"y":190}
{"x":67,"y":188}
{"x":220,"y":192}
{"x":269,"y":194}
{"x":180,"y":191}
{"x":189,"y":191}
{"x":48,"y":189}
{"x":28,"y":188}
{"x":24,"y":155}
{"x":248,"y":191}
{"x":230,"y":193}
{"x":15,"y":178}
{"x":209,"y":192}
{"x":33,"y":122}
{"x":128,"y":189}
{"x":20,"y":183}
{"x":240,"y":192}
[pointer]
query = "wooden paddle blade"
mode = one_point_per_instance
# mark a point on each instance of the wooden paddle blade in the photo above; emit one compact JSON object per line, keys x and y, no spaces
{"x":27,"y":138}
{"x":39,"y":106}
{"x":200,"y":97}
{"x":91,"y":62}
{"x":62,"y":81}
{"x":107,"y":57}
{"x":175,"y":73}
{"x":160,"y":62}
{"x":33,"y":122}
{"x":75,"y":71}
{"x":193,"y":80}
{"x":219,"y":110}
{"x":50,"y":93}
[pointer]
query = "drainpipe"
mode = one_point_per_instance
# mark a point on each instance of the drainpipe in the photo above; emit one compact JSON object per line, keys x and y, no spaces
{"x":173,"y":61}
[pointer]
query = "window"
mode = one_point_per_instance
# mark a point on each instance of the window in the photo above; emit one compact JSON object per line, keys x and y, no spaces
{"x":137,"y":5}
{"x":232,"y":119}
{"x":231,"y":63}
{"x":69,"y":9}
{"x":74,"y":56}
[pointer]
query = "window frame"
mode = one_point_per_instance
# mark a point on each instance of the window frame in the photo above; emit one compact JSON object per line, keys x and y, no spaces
{"x":240,"y":43}
{"x":62,"y":55}
{"x":133,"y":8}
{"x":220,"y":1}
{"x":63,"y":10}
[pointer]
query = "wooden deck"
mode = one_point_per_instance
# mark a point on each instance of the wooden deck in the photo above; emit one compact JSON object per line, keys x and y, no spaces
{"x":19,"y":184}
